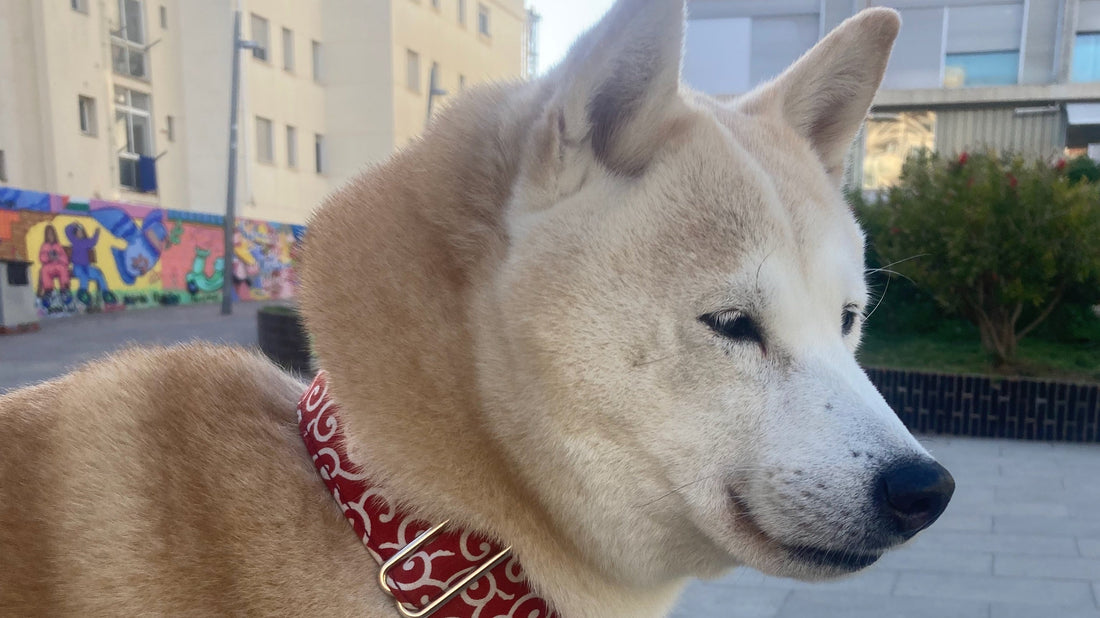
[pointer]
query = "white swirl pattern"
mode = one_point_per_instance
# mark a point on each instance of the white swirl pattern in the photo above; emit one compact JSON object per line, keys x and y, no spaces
{"x":503,"y":592}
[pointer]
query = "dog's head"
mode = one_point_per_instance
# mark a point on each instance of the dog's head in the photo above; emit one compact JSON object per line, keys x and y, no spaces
{"x":673,"y":327}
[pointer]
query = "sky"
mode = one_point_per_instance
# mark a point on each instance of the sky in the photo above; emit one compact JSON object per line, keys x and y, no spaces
{"x":562,"y":22}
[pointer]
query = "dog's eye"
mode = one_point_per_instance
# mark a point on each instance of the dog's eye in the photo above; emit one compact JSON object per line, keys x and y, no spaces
{"x":848,"y":320}
{"x":734,"y":325}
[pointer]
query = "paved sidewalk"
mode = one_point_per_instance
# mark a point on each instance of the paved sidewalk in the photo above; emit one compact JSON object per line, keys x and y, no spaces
{"x":1020,"y":539}
{"x":63,"y":344}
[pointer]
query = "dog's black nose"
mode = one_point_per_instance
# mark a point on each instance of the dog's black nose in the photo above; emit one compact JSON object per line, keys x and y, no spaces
{"x":914,"y":494}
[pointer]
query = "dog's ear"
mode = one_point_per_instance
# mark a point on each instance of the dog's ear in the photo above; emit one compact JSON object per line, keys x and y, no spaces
{"x":826,"y":94}
{"x":615,"y":87}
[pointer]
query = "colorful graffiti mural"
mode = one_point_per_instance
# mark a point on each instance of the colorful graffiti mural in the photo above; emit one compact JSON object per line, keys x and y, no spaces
{"x":88,"y":256}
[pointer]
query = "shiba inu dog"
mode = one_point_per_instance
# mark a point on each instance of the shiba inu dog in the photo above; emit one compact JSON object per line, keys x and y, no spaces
{"x":599,"y":317}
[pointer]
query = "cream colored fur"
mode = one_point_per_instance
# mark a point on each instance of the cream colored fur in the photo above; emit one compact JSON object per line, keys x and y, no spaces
{"x":508,"y":311}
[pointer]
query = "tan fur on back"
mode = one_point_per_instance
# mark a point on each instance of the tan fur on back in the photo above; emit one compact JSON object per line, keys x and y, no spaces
{"x":511,"y":313}
{"x":169,"y":482}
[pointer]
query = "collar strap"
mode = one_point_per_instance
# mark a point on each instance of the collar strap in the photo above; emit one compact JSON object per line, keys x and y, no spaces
{"x":425,"y":568}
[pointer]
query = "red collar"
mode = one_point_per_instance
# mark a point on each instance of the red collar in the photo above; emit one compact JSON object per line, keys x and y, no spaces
{"x":456,"y":573}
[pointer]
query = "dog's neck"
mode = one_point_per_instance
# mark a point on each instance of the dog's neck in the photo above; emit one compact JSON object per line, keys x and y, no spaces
{"x":391,"y":326}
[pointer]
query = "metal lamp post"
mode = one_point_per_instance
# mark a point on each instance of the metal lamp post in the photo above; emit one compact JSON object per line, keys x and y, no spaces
{"x":231,"y":192}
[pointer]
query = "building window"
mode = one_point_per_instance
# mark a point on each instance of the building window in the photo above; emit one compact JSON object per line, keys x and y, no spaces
{"x":135,"y":123}
{"x":288,"y":50}
{"x":291,"y":147}
{"x":265,"y":141}
{"x":483,"y":19}
{"x":128,"y":51}
{"x":170,"y":128}
{"x":889,"y":140}
{"x":462,"y":12}
{"x":319,"y":152}
{"x":80,"y":6}
{"x":982,"y":47}
{"x":412,"y":70}
{"x":1086,"y":57}
{"x":3,"y":168}
{"x":163,"y":17}
{"x":981,"y":69}
{"x":316,"y":61}
{"x":261,"y":37}
{"x":86,"y":106}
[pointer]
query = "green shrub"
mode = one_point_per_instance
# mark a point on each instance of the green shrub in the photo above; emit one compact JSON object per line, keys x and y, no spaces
{"x":1082,"y":169}
{"x":995,"y":239}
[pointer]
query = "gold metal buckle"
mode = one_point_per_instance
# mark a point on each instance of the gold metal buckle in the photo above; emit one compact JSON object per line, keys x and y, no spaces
{"x":448,"y":594}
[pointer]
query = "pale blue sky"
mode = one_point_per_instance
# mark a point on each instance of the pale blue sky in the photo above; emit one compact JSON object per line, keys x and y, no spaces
{"x":563,"y":21}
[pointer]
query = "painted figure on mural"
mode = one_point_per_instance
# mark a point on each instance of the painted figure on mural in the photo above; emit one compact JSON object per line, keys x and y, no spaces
{"x":244,"y":267}
{"x":144,"y":244}
{"x":54,"y":263}
{"x":198,"y":280}
{"x":84,"y":266}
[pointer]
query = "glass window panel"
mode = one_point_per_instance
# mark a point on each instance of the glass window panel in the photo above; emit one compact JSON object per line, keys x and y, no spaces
{"x":716,"y":55}
{"x":984,"y":28}
{"x":137,"y":63}
{"x":1086,"y":57}
{"x":131,"y":20}
{"x":483,"y":19}
{"x":918,"y":51}
{"x":291,"y":147}
{"x":1088,"y":16}
{"x":260,"y":37}
{"x":122,"y":129}
{"x":316,"y":61}
{"x":982,"y":69}
{"x":143,"y":133}
{"x":288,"y":49}
{"x":139,"y":100}
{"x":127,"y":172}
{"x":265,"y":151}
{"x":412,"y":70}
{"x":778,"y":41}
{"x":889,"y":140}
{"x":120,"y":62}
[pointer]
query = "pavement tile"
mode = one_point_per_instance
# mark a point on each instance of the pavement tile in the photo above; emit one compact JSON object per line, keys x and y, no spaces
{"x":822,"y":604}
{"x":961,"y":521}
{"x":1029,"y":544}
{"x":1040,"y":492}
{"x":995,"y":589}
{"x":1086,"y":569}
{"x":936,"y":561}
{"x":1087,"y":527}
{"x":871,"y":581}
{"x":976,"y":495}
{"x":1018,"y":610}
{"x":1030,"y":467}
{"x":1014,"y":509}
{"x":717,"y":599}
{"x":1089,"y":548}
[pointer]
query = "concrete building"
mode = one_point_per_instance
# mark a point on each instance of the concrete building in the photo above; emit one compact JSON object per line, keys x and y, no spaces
{"x":128,"y":100}
{"x":1020,"y":75}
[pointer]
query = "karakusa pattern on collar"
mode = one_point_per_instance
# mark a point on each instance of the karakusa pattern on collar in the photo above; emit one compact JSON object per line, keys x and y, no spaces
{"x":429,"y":572}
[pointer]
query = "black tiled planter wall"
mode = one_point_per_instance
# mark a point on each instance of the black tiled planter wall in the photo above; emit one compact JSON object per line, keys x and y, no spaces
{"x":983,"y":407}
{"x":282,"y":338}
